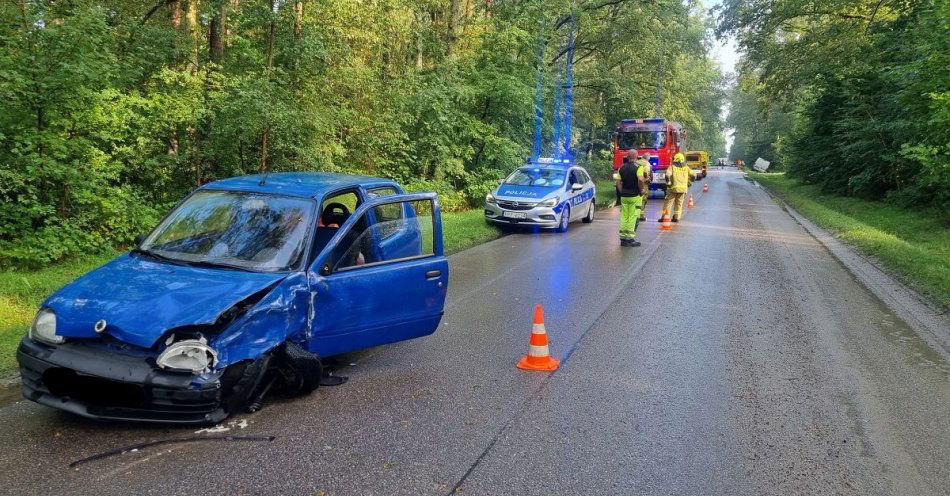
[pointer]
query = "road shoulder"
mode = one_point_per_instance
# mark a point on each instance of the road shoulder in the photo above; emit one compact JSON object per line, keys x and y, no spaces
{"x":928,"y":318}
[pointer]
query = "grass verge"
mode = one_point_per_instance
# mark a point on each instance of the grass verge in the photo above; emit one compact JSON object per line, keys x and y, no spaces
{"x":606,"y":193}
{"x":21,"y":292}
{"x":461,"y":230}
{"x":913,"y":244}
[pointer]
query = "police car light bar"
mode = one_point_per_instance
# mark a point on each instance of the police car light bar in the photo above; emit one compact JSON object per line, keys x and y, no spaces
{"x":550,"y":160}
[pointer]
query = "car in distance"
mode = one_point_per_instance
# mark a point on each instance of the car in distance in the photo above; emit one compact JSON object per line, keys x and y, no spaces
{"x":243,"y":289}
{"x":547,"y":193}
{"x":698,"y":161}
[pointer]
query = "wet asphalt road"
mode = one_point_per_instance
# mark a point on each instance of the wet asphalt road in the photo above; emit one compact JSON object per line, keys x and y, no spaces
{"x":731,"y":356}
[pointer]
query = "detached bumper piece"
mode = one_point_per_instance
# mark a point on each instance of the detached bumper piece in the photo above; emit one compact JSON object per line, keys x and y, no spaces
{"x":106,"y":385}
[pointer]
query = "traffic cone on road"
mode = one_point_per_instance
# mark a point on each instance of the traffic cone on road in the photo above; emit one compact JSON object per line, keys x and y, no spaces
{"x":666,"y":225}
{"x":706,"y":188}
{"x":538,"y":357}
{"x":690,"y":204}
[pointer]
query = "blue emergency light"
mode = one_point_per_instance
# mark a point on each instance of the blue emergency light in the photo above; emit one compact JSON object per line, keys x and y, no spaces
{"x":550,"y":160}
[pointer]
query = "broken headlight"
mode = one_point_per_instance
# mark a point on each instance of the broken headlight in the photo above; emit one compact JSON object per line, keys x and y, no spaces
{"x":43,"y":328}
{"x":192,"y":355}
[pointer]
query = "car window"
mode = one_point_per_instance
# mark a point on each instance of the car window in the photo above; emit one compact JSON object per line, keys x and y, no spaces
{"x":236,"y":229}
{"x":381,"y":192}
{"x":387,"y":216}
{"x":574,"y":179}
{"x":348,"y":199}
{"x":582,"y":177}
{"x":536,"y":176}
{"x":388,"y":232}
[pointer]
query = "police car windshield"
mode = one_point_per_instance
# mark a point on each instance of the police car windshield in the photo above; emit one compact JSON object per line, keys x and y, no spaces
{"x":537,"y":176}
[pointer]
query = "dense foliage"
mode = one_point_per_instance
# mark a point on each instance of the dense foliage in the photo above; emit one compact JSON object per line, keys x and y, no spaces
{"x":114,"y":109}
{"x":851,"y":95}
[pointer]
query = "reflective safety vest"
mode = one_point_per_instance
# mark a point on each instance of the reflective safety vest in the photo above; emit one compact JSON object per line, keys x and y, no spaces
{"x":679,"y":178}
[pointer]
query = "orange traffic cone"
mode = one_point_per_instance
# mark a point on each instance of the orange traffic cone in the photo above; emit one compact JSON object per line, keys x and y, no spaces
{"x":690,"y":204}
{"x":666,"y":226}
{"x":706,"y":188}
{"x":538,"y":357}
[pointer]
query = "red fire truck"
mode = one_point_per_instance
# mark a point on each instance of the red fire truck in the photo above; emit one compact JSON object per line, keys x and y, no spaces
{"x":656,"y":140}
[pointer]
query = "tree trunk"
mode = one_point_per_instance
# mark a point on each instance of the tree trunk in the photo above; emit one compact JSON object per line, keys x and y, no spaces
{"x":194,"y":33}
{"x":174,"y":8}
{"x":175,"y":12}
{"x":453,"y":26}
{"x":216,"y":34}
{"x":265,"y":138}
{"x":298,"y":18}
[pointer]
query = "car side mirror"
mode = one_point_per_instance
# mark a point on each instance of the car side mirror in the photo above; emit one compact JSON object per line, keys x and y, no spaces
{"x":501,"y":180}
{"x":139,"y":239}
{"x":325,"y":270}
{"x":577,"y":187}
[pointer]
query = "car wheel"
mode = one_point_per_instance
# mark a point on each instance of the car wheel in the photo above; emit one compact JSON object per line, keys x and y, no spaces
{"x":299,"y":370}
{"x":565,"y":219}
{"x":590,"y":214}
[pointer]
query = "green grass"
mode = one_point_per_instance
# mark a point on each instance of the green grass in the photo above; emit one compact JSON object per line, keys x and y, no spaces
{"x":21,"y":292}
{"x":914,"y":244}
{"x":461,"y":230}
{"x":606,"y":193}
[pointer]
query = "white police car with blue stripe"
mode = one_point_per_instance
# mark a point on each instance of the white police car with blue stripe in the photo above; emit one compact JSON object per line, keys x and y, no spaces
{"x":546,"y":193}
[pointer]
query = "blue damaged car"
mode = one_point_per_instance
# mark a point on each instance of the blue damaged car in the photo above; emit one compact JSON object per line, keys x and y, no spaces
{"x":244,"y":289}
{"x":547,"y":193}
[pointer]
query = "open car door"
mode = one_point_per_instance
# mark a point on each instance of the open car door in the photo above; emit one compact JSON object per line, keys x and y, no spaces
{"x":382,"y":278}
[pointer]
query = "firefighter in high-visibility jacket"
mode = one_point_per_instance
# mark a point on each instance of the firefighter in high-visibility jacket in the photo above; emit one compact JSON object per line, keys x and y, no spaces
{"x":678,"y":179}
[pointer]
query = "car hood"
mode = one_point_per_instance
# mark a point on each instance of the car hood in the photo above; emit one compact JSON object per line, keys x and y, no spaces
{"x":533,"y":193}
{"x":141,"y":299}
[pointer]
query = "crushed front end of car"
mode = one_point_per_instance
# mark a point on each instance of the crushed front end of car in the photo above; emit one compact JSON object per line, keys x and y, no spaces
{"x":107,"y":382}
{"x":195,"y":324}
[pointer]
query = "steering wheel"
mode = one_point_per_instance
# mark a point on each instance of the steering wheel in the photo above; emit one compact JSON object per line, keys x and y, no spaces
{"x":335,"y":213}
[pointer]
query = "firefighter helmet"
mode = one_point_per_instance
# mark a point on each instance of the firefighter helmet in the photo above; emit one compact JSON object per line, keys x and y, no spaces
{"x":679,"y":158}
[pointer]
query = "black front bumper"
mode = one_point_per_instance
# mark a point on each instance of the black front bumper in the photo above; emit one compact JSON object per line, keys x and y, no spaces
{"x":107,"y":385}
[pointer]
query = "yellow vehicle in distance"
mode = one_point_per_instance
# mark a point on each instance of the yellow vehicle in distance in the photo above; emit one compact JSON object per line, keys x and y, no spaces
{"x":698,"y":160}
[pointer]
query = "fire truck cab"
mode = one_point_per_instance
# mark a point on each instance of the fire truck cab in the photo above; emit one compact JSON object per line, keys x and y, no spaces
{"x":656,"y":140}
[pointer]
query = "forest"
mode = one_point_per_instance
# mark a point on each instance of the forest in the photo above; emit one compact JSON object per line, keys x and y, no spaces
{"x":116,"y":109}
{"x":853,"y":96}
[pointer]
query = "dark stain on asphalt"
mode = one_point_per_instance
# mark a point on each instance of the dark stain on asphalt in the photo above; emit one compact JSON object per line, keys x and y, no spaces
{"x":162,"y":442}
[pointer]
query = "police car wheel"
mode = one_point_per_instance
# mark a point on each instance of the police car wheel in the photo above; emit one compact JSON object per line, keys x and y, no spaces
{"x":565,"y":219}
{"x":590,"y":214}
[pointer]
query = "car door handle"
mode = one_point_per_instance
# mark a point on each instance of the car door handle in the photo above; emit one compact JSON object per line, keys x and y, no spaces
{"x":432,"y":274}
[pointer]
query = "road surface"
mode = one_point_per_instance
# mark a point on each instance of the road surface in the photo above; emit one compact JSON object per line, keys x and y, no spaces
{"x":733,"y":355}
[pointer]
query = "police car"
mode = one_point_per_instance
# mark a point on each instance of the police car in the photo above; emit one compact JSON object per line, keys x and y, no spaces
{"x":546,"y":193}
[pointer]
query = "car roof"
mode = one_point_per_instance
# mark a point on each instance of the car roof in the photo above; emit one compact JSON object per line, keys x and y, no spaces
{"x":303,"y":184}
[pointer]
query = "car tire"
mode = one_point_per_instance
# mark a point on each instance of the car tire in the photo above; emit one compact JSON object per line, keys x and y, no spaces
{"x":565,"y":219}
{"x":300,"y":370}
{"x":590,"y":214}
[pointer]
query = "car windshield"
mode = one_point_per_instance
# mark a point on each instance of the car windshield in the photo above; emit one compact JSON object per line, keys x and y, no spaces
{"x":234,"y":229}
{"x":537,"y":176}
{"x":641,"y":139}
{"x":692,"y":158}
